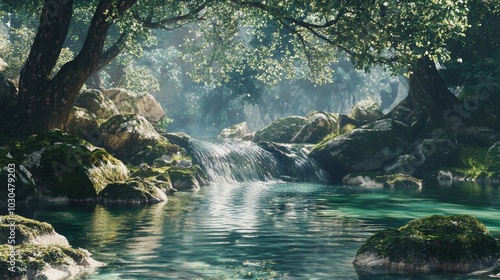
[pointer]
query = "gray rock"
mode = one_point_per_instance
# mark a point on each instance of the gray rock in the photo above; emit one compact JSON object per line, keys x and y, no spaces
{"x":235,"y":131}
{"x":94,"y":101}
{"x":282,"y":130}
{"x":366,"y":110}
{"x":143,"y":103}
{"x":132,"y":191}
{"x":317,"y":126}
{"x":81,"y":121}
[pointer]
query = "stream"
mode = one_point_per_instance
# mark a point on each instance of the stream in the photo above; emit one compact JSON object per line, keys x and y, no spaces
{"x":257,"y":230}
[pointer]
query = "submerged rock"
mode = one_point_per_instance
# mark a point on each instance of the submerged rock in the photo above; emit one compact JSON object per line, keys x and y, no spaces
{"x":458,"y":243}
{"x":373,"y":180}
{"x":282,"y":130}
{"x":133,"y":191}
{"x":143,"y":103}
{"x":41,"y":253}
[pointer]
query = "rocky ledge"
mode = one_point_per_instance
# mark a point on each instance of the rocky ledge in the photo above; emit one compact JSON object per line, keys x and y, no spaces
{"x":458,"y":243}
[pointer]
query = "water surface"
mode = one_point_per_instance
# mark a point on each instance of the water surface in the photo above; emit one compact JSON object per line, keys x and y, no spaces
{"x":257,"y":230}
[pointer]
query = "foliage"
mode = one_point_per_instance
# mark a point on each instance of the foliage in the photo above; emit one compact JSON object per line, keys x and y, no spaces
{"x":15,"y":48}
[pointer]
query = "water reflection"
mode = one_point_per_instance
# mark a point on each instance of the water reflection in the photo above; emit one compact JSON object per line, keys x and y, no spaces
{"x":287,"y":230}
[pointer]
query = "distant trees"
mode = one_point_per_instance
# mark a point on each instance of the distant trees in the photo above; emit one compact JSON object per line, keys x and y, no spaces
{"x":403,"y":36}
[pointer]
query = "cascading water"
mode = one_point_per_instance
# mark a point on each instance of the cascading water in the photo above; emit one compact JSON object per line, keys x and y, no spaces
{"x":229,"y":162}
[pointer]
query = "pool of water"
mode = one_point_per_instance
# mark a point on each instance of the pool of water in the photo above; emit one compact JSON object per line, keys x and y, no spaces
{"x":257,"y":230}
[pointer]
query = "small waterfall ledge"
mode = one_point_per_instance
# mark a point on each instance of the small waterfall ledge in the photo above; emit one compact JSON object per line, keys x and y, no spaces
{"x":242,"y":161}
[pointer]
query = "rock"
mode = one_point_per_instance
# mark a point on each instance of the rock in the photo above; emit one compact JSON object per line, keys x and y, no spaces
{"x":186,"y":178}
{"x":25,"y":186}
{"x":132,"y":138}
{"x":3,"y":64}
{"x":444,"y":176}
{"x":64,"y":165}
{"x":8,"y":94}
{"x":133,"y":191}
{"x":317,"y":126}
{"x":363,"y":149}
{"x":41,"y":253}
{"x":143,"y":103}
{"x":282,"y":130}
{"x":451,"y":244}
{"x":94,"y":101}
{"x":366,"y":110}
{"x":30,"y":231}
{"x":374,"y":180}
{"x":81,"y":121}
{"x":248,"y":136}
{"x":235,"y":131}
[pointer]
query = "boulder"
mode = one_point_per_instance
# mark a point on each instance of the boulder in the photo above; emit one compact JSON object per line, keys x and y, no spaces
{"x":94,"y":101}
{"x":477,"y":136}
{"x":143,"y":103}
{"x":282,"y":130}
{"x":374,"y":180}
{"x":317,"y":126}
{"x":366,"y":110}
{"x":236,"y":131}
{"x":81,"y":121}
{"x":40,"y":252}
{"x":458,"y":243}
{"x":3,"y":64}
{"x":187,"y":178}
{"x":64,"y":165}
{"x":24,"y":184}
{"x":133,"y":191}
{"x":364,"y":149}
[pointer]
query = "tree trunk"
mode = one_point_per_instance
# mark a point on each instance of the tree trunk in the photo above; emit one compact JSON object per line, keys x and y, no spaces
{"x":46,"y":100}
{"x":94,"y":82}
{"x":429,"y":101}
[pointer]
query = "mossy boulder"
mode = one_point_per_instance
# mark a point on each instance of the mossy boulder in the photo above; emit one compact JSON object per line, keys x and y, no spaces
{"x":477,"y":163}
{"x":366,"y":110}
{"x":282,"y":130}
{"x":365,"y":149}
{"x":317,"y":126}
{"x":29,"y":231}
{"x":133,"y":191}
{"x":64,"y":165}
{"x":236,"y":131}
{"x":81,"y":122}
{"x":23,"y":185}
{"x":457,"y":243}
{"x":187,"y":178}
{"x":133,"y":139}
{"x":375,"y":180}
{"x":40,"y":252}
{"x":143,"y":103}
{"x":94,"y":101}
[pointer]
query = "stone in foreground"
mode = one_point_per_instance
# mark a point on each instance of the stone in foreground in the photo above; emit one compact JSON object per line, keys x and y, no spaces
{"x":458,"y":243}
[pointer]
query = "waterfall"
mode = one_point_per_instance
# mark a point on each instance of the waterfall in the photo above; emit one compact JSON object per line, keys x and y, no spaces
{"x":243,"y":161}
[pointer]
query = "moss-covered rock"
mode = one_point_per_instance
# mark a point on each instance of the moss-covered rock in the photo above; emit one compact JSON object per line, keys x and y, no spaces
{"x":133,"y":139}
{"x":187,"y":178}
{"x":142,"y":103}
{"x":235,"y":131}
{"x":282,"y":130}
{"x":63,"y":165}
{"x":375,"y":180}
{"x":29,"y":231}
{"x":81,"y":121}
{"x":365,"y":149}
{"x":133,"y":191}
{"x":458,"y":243}
{"x":317,"y":126}
{"x":22,"y":182}
{"x":475,"y":162}
{"x":49,"y":262}
{"x":94,"y":101}
{"x":366,"y":110}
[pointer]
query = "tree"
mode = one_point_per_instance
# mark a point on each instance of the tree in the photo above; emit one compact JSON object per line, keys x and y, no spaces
{"x":403,"y":36}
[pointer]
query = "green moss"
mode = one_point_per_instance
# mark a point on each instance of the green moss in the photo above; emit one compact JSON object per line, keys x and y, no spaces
{"x":474,"y":162}
{"x":25,"y":228}
{"x":34,"y":257}
{"x":454,"y":239}
{"x":134,"y":191}
{"x":282,"y":130}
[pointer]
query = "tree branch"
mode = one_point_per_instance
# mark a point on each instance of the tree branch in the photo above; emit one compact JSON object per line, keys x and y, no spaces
{"x":162,"y":24}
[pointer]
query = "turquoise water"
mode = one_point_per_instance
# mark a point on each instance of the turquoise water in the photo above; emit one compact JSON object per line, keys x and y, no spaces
{"x":257,"y":230}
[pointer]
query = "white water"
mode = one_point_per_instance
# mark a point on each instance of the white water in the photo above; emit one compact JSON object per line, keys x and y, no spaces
{"x":230,"y":162}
